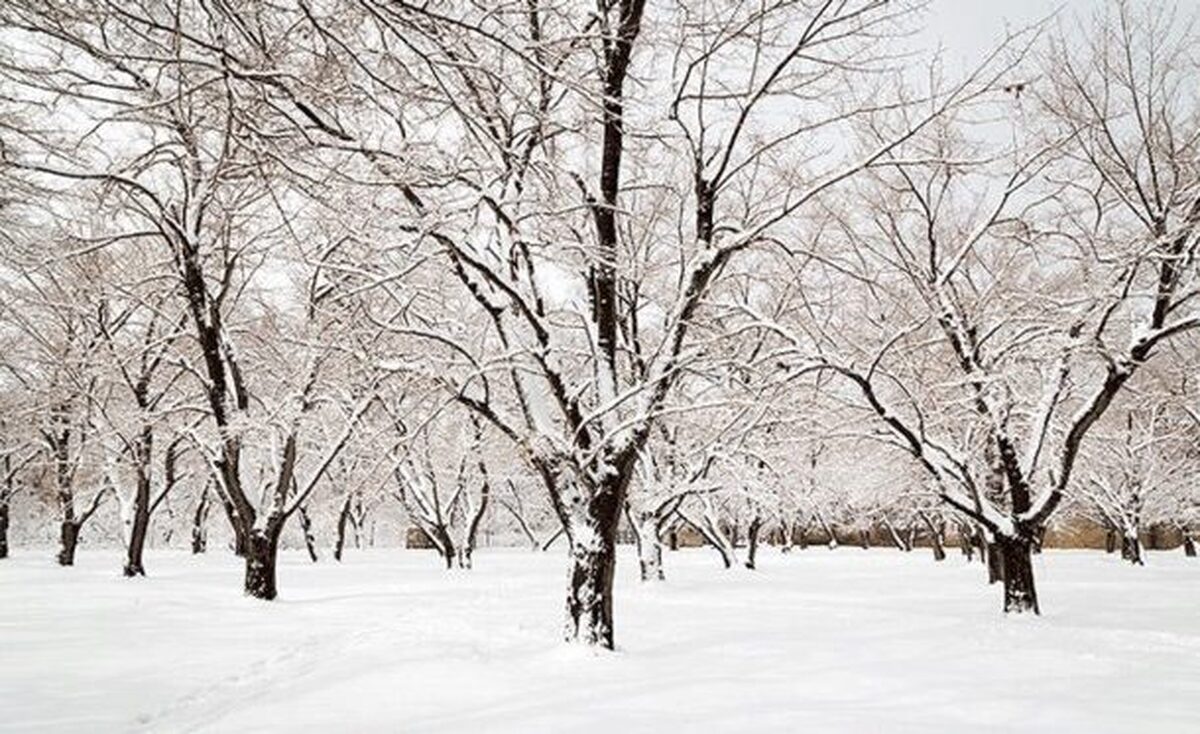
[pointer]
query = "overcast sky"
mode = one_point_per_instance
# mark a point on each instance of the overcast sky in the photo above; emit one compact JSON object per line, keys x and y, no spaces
{"x":968,"y":28}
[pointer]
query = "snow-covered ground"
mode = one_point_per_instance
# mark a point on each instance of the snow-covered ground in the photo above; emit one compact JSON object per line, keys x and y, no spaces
{"x":848,"y":641}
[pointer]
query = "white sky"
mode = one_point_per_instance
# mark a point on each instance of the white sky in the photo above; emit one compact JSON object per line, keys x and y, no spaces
{"x":968,"y":28}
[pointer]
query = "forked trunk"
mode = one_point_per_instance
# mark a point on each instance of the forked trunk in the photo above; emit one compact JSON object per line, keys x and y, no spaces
{"x":1016,"y":564}
{"x":898,"y":540}
{"x":261,"y":553}
{"x":939,"y":551}
{"x":936,"y":531}
{"x":445,"y":546}
{"x":68,"y":540}
{"x":1131,"y":548}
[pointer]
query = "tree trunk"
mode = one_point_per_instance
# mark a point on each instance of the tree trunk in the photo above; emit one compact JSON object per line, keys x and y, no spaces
{"x":936,"y":531}
{"x":650,"y":553}
{"x":785,"y":537}
{"x":1189,"y":545}
{"x":139,"y":529}
{"x":649,"y":547}
{"x":1110,"y":540}
{"x":864,"y":539}
{"x":199,"y":523}
{"x":1039,"y":538}
{"x":444,"y":545}
{"x":310,"y":543}
{"x":68,"y":539}
{"x":343,"y":519}
{"x":995,"y":563}
{"x":593,"y":550}
{"x":1131,"y":548}
{"x":752,"y":533}
{"x":261,"y":553}
{"x":966,"y":541}
{"x":4,"y":527}
{"x":1016,"y":566}
{"x":939,"y":550}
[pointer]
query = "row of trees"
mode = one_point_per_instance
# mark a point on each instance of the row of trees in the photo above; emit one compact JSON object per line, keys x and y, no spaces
{"x":426,"y":250}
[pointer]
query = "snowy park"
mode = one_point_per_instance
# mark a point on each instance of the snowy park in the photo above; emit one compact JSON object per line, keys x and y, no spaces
{"x":600,"y":366}
{"x":846,"y":641}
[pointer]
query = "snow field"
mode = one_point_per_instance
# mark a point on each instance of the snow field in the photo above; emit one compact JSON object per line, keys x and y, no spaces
{"x":845,"y":641}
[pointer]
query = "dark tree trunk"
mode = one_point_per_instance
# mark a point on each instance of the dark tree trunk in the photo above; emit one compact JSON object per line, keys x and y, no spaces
{"x":593,"y":545}
{"x":68,"y":540}
{"x":785,"y":537}
{"x":995,"y":562}
{"x":343,"y":520}
{"x":1189,"y":545}
{"x":1039,"y":539}
{"x":752,"y":533}
{"x":1131,"y":549}
{"x":966,"y":541}
{"x":1110,"y":541}
{"x":936,"y":531}
{"x":4,"y":527}
{"x":310,"y":543}
{"x":939,"y":551}
{"x":139,"y":530}
{"x":864,"y":539}
{"x":476,"y":520}
{"x":199,"y":524}
{"x":1016,"y":565}
{"x":261,"y":553}
{"x":445,"y":546}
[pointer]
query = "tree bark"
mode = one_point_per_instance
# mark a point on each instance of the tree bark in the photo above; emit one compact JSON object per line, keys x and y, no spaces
{"x":1131,"y":548}
{"x":262,"y":553}
{"x":935,"y":537}
{"x":199,"y":524}
{"x":592,"y":535}
{"x":68,"y":540}
{"x":752,"y":533}
{"x":1110,"y":540}
{"x":343,"y":520}
{"x":310,"y":543}
{"x":1016,"y":565}
{"x":140,"y":528}
{"x":649,"y":547}
{"x":939,"y":551}
{"x":1189,"y":545}
{"x":995,"y":562}
{"x":4,"y":527}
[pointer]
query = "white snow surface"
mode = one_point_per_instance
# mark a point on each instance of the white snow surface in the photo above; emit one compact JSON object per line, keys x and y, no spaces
{"x":844,"y":641}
